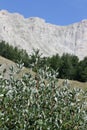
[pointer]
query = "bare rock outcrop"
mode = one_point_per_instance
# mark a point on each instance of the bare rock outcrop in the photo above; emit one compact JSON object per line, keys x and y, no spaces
{"x":29,"y":33}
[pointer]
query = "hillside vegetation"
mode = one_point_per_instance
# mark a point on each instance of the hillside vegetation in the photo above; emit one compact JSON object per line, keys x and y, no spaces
{"x":68,"y":66}
{"x":39,"y":101}
{"x":35,"y":102}
{"x":6,"y":64}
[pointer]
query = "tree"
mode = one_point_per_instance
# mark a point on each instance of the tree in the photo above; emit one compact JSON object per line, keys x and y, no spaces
{"x":65,"y":67}
{"x":54,"y":61}
{"x":82,"y":70}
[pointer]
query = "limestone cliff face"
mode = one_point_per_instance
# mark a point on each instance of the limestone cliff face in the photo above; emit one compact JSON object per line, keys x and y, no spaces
{"x":35,"y":33}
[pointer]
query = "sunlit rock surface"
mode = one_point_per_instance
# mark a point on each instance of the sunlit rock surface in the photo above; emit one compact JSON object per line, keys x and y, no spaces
{"x":35,"y":33}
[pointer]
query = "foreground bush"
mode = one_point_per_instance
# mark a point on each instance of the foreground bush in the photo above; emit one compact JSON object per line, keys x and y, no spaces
{"x":37,"y":103}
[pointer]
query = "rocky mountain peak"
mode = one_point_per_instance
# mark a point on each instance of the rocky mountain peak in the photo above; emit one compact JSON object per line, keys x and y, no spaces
{"x":29,"y":33}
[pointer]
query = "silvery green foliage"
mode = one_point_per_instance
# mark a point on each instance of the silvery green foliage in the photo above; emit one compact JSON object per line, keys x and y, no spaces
{"x":37,"y":103}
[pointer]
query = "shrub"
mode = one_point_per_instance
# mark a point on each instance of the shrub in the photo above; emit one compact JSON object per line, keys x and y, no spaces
{"x":38,"y":103}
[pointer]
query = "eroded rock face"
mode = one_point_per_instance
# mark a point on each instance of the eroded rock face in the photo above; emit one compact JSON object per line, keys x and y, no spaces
{"x":35,"y":33}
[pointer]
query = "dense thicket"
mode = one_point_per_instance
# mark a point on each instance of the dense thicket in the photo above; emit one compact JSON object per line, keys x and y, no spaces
{"x":39,"y":103}
{"x":68,"y":66}
{"x":13,"y":53}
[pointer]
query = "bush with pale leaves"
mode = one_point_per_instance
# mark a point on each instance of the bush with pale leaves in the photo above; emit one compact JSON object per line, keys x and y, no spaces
{"x":38,"y":103}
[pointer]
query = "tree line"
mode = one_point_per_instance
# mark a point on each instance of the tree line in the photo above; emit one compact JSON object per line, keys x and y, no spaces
{"x":68,"y":66}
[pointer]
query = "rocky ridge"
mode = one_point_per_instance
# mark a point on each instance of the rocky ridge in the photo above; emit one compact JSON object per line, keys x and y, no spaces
{"x":29,"y":33}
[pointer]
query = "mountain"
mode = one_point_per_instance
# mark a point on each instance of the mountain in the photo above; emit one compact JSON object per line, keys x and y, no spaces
{"x":29,"y":33}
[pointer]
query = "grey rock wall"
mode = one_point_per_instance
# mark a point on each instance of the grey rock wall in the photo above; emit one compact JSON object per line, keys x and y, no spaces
{"x":29,"y":33}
